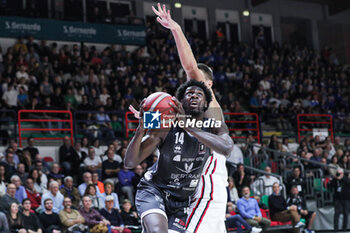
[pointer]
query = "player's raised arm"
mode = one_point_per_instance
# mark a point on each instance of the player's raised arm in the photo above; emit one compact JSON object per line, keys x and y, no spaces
{"x":187,"y":58}
{"x":139,"y":148}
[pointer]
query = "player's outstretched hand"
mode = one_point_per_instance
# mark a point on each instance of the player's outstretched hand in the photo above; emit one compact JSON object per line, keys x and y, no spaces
{"x":164,"y":17}
{"x":133,"y":110}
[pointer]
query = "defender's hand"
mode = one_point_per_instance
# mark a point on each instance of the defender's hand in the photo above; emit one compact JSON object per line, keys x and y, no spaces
{"x":140,"y":127}
{"x":164,"y":17}
{"x":136,"y":113}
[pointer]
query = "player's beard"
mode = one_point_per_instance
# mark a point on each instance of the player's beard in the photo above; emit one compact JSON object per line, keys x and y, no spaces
{"x":194,"y":112}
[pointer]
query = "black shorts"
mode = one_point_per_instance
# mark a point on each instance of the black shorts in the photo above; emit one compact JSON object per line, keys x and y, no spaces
{"x":307,"y":216}
{"x":150,"y":199}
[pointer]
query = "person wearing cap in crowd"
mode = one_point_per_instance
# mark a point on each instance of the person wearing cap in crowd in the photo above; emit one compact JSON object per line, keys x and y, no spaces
{"x":112,"y":215}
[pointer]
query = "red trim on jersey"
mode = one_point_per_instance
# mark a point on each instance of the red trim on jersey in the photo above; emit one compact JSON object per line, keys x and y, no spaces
{"x":199,"y":200}
{"x":211,"y":160}
{"x":208,"y":203}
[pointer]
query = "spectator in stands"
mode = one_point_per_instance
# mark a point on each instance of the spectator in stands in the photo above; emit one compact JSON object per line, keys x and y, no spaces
{"x":10,"y":164}
{"x":316,"y":157}
{"x":93,"y":219}
{"x":93,"y":162}
{"x":96,"y":181}
{"x":31,"y":148}
{"x":8,"y":198}
{"x":67,"y":157}
{"x":109,"y":191}
{"x":125,"y":178}
{"x":55,"y":195}
{"x":32,"y":194}
{"x":344,"y":162}
{"x":236,"y":221}
{"x":249,"y":209}
{"x":41,"y":165}
{"x":20,"y":190}
{"x":15,"y":219}
{"x":110,"y":168}
{"x":70,"y":218}
{"x":10,"y":97}
{"x":30,"y":221}
{"x":26,"y":159}
{"x":87,"y":178}
{"x":81,"y":154}
{"x":97,"y":148}
{"x":21,"y":172}
{"x":241,"y":178}
{"x":232,"y":194}
{"x":70,"y":191}
{"x":298,"y":201}
{"x":39,"y":179}
{"x":4,"y":226}
{"x":3,"y":180}
{"x":139,"y":172}
{"x":279,"y":211}
{"x":129,"y":216}
{"x":296,"y":179}
{"x":55,"y":173}
{"x":333,"y":166}
{"x":96,"y":200}
{"x":341,"y":188}
{"x":263,"y":185}
{"x":113,"y":215}
{"x":116,"y":157}
{"x":338,"y":145}
{"x":49,"y":220}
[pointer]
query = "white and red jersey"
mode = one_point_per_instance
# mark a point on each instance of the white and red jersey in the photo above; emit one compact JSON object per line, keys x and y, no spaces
{"x":208,"y":207}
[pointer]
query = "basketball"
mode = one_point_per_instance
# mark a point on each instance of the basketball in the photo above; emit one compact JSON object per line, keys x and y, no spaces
{"x":160,"y":101}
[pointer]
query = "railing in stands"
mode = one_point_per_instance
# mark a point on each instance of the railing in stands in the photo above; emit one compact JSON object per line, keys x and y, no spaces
{"x":309,"y":122}
{"x":129,"y":121}
{"x":246,"y":122}
{"x":104,"y":125}
{"x":8,"y":123}
{"x":34,"y":116}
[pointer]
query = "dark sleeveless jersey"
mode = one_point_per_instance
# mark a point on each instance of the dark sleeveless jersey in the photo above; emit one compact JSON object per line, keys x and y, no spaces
{"x":180,"y":163}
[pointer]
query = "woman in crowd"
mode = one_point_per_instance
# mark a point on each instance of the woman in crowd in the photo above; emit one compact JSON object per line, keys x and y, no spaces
{"x":109,"y":187}
{"x":96,"y":201}
{"x":333,"y":166}
{"x":15,"y":220}
{"x":40,"y":180}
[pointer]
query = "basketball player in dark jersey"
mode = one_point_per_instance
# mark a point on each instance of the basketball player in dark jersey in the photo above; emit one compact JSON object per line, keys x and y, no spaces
{"x":164,"y":193}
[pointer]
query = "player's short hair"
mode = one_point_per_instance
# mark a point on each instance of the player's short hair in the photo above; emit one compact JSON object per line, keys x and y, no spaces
{"x":207,"y":71}
{"x":180,"y":93}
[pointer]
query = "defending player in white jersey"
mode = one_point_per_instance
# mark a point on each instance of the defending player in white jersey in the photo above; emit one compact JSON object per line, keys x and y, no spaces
{"x":208,"y":208}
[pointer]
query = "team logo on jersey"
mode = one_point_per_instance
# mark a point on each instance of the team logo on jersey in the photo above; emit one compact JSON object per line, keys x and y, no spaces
{"x":177,"y":158}
{"x":151,"y":120}
{"x":201,"y":149}
{"x":193,"y":183}
{"x":177,"y":149}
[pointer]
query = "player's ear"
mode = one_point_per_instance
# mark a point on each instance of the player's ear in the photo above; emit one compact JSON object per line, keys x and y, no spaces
{"x":210,"y":83}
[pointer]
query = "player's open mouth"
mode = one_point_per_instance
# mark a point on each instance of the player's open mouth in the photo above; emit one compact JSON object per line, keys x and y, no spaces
{"x":194,"y":103}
